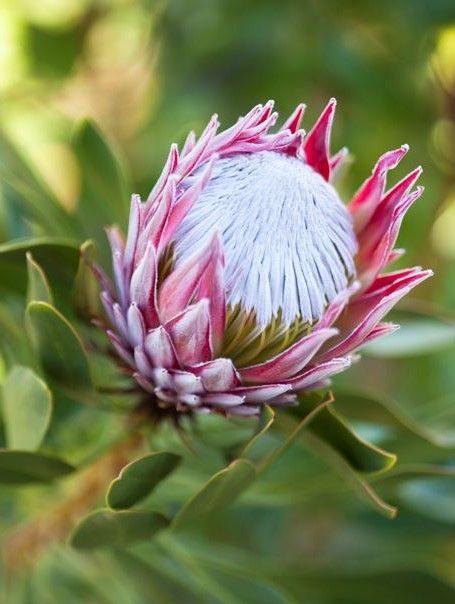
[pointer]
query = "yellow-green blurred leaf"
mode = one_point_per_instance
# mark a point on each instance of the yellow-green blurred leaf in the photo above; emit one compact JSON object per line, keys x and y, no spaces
{"x":27,"y":408}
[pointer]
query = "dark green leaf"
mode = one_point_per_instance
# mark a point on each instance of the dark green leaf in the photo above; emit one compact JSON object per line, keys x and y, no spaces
{"x":106,"y":528}
{"x":58,"y":258}
{"x":359,"y":454}
{"x":139,"y":478}
{"x":221,"y":490}
{"x":58,"y":347}
{"x":25,"y":467}
{"x":27,"y":409}
{"x":104,"y":199}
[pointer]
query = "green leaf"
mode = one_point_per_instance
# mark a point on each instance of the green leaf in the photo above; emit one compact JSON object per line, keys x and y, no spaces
{"x":59,"y":348}
{"x":139,"y":478}
{"x":358,"y":453}
{"x":104,"y":199}
{"x":220,"y":491}
{"x":101,"y":171}
{"x":38,"y":287}
{"x":25,"y":467}
{"x":351,"y":478}
{"x":367,"y":407}
{"x":332,"y":439}
{"x":58,"y":258}
{"x":106,"y":528}
{"x":27,"y":409}
{"x":86,"y":288}
{"x":415,"y":337}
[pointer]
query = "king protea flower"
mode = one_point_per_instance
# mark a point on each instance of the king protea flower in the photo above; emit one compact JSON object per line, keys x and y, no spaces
{"x":243,"y":278}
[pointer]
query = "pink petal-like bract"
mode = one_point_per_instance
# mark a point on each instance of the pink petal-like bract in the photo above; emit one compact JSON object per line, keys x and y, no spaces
{"x":243,"y":278}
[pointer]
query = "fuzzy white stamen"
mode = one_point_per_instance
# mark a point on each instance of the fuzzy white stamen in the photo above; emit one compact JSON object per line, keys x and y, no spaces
{"x":288,"y":239}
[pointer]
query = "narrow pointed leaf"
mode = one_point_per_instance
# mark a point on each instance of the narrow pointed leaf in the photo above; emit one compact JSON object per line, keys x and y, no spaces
{"x":27,"y":409}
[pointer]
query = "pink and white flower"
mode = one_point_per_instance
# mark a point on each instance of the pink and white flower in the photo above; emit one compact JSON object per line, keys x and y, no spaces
{"x":243,"y":278}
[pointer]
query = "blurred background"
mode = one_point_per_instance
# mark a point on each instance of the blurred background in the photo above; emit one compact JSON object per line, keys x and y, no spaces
{"x":147,"y":72}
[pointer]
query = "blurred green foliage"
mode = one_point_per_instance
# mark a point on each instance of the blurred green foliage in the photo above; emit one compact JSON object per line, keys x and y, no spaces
{"x":305,"y":527}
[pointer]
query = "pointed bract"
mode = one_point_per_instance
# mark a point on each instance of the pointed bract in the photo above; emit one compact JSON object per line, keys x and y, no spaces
{"x":289,"y":362}
{"x":190,"y":333}
{"x":317,"y":142}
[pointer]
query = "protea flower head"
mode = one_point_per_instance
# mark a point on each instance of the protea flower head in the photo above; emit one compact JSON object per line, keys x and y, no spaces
{"x":243,"y":278}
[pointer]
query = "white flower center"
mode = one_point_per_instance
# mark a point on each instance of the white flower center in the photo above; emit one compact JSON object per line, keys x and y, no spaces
{"x":288,"y":239}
